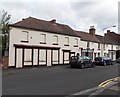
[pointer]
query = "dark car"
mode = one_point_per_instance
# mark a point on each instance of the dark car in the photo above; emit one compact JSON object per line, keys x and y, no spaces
{"x":81,"y":62}
{"x":118,"y":60}
{"x":103,"y":61}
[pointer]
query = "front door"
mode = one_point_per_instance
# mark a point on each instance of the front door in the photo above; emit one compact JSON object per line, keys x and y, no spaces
{"x":66,"y":57}
{"x":49,"y":60}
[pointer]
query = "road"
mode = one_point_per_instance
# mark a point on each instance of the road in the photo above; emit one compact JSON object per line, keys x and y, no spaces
{"x":55,"y":80}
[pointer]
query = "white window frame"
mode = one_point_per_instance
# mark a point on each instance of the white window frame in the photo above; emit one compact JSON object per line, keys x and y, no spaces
{"x":27,"y":36}
{"x":43,"y":41}
{"x":55,"y":40}
{"x":76,"y":42}
{"x":66,"y":41}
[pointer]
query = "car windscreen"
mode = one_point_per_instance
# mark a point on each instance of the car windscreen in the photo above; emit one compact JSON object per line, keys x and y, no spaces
{"x":105,"y":58}
{"x":76,"y":58}
{"x":98,"y":59}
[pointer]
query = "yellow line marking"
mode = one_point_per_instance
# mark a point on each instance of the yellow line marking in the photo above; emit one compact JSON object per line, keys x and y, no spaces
{"x":103,"y":84}
{"x":106,"y":84}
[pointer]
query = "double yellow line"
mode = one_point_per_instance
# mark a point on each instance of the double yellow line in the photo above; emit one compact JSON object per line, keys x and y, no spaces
{"x":103,"y":84}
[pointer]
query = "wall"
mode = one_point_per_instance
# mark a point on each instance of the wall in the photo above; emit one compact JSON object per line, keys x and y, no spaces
{"x":34,"y":39}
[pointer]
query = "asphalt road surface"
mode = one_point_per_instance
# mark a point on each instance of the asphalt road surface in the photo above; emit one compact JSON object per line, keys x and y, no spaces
{"x":55,"y":80}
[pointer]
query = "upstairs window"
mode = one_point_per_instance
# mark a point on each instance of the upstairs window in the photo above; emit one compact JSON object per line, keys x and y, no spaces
{"x":111,"y":47}
{"x":103,"y":46}
{"x":66,"y":41}
{"x":55,"y":40}
{"x":88,"y":44}
{"x":43,"y":39}
{"x":25,"y":36}
{"x":98,"y":45}
{"x":76,"y":42}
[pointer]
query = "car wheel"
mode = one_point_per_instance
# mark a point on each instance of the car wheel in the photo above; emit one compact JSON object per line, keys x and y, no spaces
{"x":111,"y":63}
{"x":104,"y":64}
{"x":82,"y":66}
{"x":93,"y":64}
{"x":72,"y":66}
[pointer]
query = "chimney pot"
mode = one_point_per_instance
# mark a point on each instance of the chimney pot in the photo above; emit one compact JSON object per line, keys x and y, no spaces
{"x":23,"y":19}
{"x":92,"y":27}
{"x":53,"y":21}
{"x":108,"y":30}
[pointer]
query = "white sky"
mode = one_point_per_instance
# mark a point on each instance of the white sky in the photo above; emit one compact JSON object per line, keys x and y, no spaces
{"x":78,"y":14}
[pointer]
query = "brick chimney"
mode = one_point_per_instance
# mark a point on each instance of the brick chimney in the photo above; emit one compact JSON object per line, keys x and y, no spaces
{"x":108,"y":31}
{"x":53,"y":21}
{"x":92,"y":30}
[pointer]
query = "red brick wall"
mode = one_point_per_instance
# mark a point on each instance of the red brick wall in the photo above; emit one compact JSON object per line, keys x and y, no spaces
{"x":5,"y":61}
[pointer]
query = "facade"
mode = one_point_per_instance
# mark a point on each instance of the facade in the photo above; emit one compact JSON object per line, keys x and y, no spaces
{"x":49,"y":45}
{"x":35,"y":42}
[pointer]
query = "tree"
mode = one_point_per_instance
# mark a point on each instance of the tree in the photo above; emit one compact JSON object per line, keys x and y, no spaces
{"x":4,"y":30}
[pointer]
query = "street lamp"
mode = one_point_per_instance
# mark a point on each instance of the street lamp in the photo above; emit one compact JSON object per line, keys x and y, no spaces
{"x":103,"y":47}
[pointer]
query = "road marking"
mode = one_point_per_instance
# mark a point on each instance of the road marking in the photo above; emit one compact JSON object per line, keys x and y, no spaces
{"x":105,"y":83}
{"x":99,"y":88}
{"x":86,"y":91}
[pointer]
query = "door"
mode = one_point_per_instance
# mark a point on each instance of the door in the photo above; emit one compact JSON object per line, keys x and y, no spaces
{"x":28,"y":57}
{"x":19,"y":58}
{"x":55,"y":57}
{"x":49,"y":59}
{"x":87,"y":61}
{"x":66,"y":57}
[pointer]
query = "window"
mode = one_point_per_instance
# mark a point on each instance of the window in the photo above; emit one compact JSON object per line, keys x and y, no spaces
{"x":99,"y":46}
{"x":111,"y":47}
{"x":66,"y":41}
{"x":55,"y":40}
{"x":95,"y":54}
{"x":76,"y":42}
{"x":43,"y":39}
{"x":25,"y":36}
{"x":98,"y":54}
{"x":106,"y":45}
{"x":88,"y":44}
{"x":103,"y":46}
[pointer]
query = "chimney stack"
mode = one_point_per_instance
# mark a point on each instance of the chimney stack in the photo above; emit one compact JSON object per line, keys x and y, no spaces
{"x":92,"y":30}
{"x":53,"y":21}
{"x":108,"y":31}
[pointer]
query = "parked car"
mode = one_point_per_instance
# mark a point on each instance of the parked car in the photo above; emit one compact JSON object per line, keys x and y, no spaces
{"x":103,"y":61}
{"x":81,"y":62}
{"x":118,"y":60}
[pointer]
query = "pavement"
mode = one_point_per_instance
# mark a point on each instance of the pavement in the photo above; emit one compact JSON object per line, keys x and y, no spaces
{"x":56,"y":80}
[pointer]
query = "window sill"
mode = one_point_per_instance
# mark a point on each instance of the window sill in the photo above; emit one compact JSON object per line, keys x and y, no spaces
{"x":88,"y":48}
{"x":42,"y":42}
{"x":27,"y":61}
{"x":55,"y":43}
{"x":25,"y":41}
{"x":75,"y":45}
{"x":66,"y":44}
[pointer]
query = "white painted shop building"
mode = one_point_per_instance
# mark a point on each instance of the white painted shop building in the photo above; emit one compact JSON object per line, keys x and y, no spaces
{"x":38,"y":42}
{"x":35,"y":42}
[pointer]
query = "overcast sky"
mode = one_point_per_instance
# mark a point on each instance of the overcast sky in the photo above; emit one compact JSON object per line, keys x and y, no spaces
{"x":78,"y":14}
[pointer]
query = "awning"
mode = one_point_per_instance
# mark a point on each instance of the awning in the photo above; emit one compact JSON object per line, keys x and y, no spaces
{"x":34,"y":46}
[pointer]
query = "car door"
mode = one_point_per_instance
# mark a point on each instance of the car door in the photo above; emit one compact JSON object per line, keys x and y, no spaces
{"x":89,"y":61}
{"x":86,"y":61}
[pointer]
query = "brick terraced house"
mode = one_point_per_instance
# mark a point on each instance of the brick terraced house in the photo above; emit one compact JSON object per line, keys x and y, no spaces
{"x":35,"y":42}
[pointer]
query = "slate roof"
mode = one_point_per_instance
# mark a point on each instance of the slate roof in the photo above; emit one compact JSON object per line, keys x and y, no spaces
{"x":47,"y":26}
{"x":107,"y":40}
{"x":87,"y":36}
